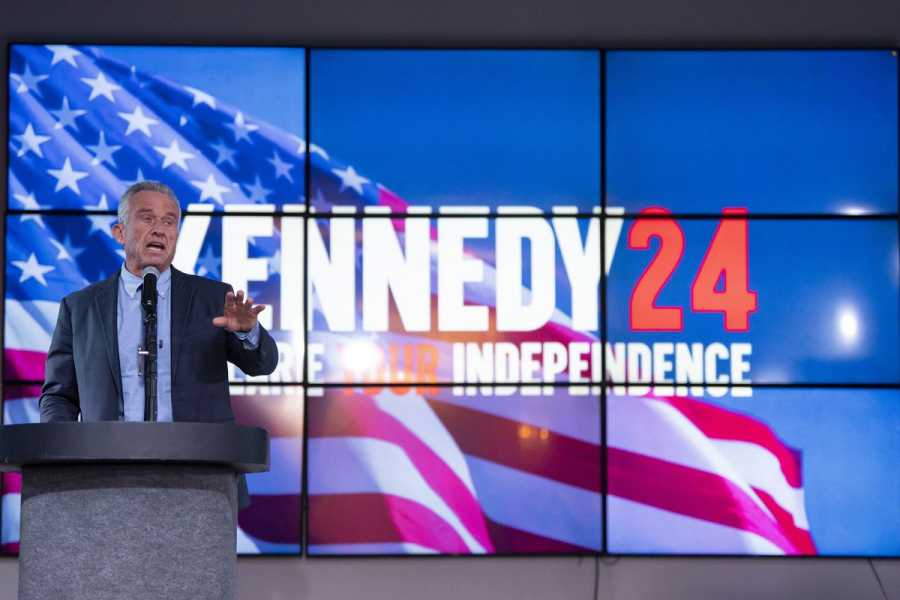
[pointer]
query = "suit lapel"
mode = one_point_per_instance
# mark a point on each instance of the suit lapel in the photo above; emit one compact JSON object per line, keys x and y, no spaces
{"x":106,"y":305}
{"x":182,"y":298}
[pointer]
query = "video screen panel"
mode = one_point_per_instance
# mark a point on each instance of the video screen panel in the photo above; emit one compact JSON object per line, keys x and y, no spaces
{"x":754,"y":301}
{"x":269,"y":525}
{"x":788,"y":471}
{"x":220,"y":126}
{"x":798,"y":132}
{"x":454,"y":300}
{"x":468,"y":131}
{"x":475,"y":471}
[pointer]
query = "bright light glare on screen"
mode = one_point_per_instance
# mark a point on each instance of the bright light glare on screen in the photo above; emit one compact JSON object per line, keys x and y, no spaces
{"x":361,"y":356}
{"x":854,"y":210}
{"x":848,"y":325}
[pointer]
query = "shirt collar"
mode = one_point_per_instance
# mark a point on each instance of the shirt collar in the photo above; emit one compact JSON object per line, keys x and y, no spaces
{"x":131,"y":282}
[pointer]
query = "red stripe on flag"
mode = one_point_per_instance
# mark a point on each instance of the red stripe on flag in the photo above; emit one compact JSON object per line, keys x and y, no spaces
{"x":356,"y":415}
{"x":388,"y":198}
{"x":718,"y":423}
{"x":516,"y":541}
{"x":17,"y":392}
{"x":12,"y":483}
{"x":522,"y":446}
{"x":280,"y":415}
{"x":800,"y":537}
{"x":692,"y":492}
{"x":11,"y":549}
{"x":379,"y":518}
{"x":23,"y":364}
{"x":265,"y":518}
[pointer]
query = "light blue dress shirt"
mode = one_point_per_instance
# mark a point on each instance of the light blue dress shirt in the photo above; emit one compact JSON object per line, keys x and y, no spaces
{"x":130,"y":326}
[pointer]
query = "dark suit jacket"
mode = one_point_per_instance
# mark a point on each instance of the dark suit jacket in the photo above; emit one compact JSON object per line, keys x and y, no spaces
{"x":83,"y":375}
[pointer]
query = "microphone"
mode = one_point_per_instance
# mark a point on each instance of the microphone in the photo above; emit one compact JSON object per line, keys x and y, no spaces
{"x":148,"y":291}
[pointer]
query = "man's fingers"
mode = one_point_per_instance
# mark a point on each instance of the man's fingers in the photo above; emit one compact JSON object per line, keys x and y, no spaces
{"x":220,"y":321}
{"x":240,"y":297}
{"x":229,"y":300}
{"x":258,"y":309}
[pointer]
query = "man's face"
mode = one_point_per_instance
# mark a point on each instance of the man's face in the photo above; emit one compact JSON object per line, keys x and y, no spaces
{"x":150,"y":231}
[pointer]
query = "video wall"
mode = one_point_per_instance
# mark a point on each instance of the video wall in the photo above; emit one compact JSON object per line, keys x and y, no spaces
{"x":526,"y":301}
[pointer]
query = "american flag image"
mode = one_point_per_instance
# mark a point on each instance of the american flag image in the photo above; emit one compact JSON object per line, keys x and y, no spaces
{"x":389,"y":471}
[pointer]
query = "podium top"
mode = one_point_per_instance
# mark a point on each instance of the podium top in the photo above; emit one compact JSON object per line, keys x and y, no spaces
{"x":245,"y":449}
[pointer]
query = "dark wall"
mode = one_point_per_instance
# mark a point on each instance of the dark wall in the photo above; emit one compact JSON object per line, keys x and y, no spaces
{"x":641,"y":23}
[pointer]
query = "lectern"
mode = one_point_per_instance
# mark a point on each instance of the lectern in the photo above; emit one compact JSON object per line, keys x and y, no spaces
{"x":129,"y":510}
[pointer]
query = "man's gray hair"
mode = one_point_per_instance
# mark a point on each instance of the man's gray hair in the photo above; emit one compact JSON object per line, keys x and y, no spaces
{"x":145,"y":186}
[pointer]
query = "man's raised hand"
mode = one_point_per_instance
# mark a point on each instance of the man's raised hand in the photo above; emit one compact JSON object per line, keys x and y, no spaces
{"x":239,"y":315}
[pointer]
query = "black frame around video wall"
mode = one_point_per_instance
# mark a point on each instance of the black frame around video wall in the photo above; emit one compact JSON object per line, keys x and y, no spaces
{"x":307,"y":216}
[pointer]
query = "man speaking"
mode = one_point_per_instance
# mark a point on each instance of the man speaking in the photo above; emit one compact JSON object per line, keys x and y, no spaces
{"x":99,"y":361}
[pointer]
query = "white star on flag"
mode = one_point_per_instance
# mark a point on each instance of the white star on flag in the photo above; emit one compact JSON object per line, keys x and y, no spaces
{"x":140,"y":177}
{"x":138,"y":121}
{"x":104,"y":152}
{"x":31,"y":268}
{"x":225,"y":154}
{"x":67,"y":251}
{"x":102,"y":205}
{"x":67,"y":177}
{"x":63,"y":54}
{"x":28,"y":81}
{"x":101,"y":86}
{"x":201,"y":97}
{"x":241,"y":128}
{"x":29,"y":202}
{"x":351,"y":179}
{"x":66,"y":116}
{"x":210,"y":189}
{"x":102,"y":223}
{"x":30,"y":141}
{"x":281,"y":168}
{"x":258,"y":193}
{"x":174,"y":155}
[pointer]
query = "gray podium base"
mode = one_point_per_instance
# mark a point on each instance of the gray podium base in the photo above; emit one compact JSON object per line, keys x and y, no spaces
{"x":127,"y":532}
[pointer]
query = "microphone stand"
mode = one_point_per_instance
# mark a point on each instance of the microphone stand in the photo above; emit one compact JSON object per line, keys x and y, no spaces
{"x":150,"y":349}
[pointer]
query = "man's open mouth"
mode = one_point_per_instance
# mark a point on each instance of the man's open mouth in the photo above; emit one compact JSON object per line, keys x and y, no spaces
{"x":156,"y":246}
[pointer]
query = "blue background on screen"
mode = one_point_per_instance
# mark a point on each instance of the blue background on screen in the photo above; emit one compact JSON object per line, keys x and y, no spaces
{"x":788,"y":131}
{"x":463,"y":127}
